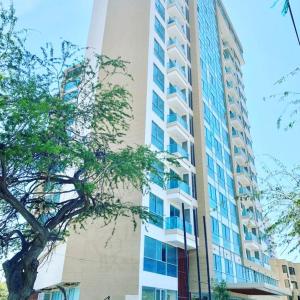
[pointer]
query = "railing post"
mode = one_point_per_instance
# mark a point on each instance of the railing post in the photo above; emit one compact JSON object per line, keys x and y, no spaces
{"x":195,"y":215}
{"x":186,"y":255}
{"x":207,"y":260}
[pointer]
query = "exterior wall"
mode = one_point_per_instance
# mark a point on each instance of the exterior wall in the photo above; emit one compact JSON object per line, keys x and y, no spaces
{"x":105,"y":264}
{"x":287,"y":278}
{"x":50,"y":271}
{"x":113,"y":270}
{"x":98,"y":20}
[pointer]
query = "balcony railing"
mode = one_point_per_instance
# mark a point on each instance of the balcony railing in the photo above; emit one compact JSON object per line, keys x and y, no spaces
{"x":251,"y":237}
{"x":255,"y":260}
{"x":176,"y":90}
{"x":180,"y":8}
{"x":236,"y":133}
{"x":239,"y":151}
{"x":181,"y":185}
{"x":234,"y":117}
{"x":175,"y":148}
{"x":175,"y":118}
{"x":178,"y":45}
{"x":242,"y":170}
{"x":179,"y":26}
{"x":176,"y":66}
{"x":247,"y":213}
{"x":244,"y":191}
{"x":177,"y":223}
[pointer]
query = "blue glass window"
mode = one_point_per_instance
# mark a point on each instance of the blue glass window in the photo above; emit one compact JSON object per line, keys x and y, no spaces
{"x":236,"y":242}
{"x":208,"y":138}
{"x":223,"y":205}
{"x":221,"y":177}
{"x":160,"y":258}
{"x":215,"y":230}
{"x":212,"y":194}
{"x":157,"y":136}
{"x":156,"y":208}
{"x":210,"y":166}
{"x":158,"y":105}
{"x":226,"y":236}
{"x":174,"y":211}
{"x":157,"y":177}
{"x":151,"y":293}
{"x":71,"y":96}
{"x":160,"y":8}
{"x":228,"y":162}
{"x":230,"y":185}
{"x":71,"y":85}
{"x":160,"y":30}
{"x":217,"y":266}
{"x":158,"y":77}
{"x":159,"y":52}
{"x":240,"y":273}
{"x":216,"y":125}
{"x":218,"y":149}
{"x":217,"y":262}
{"x":72,"y":294}
{"x":225,"y":137}
{"x":229,"y":270}
{"x":207,"y":114}
{"x":233,"y":213}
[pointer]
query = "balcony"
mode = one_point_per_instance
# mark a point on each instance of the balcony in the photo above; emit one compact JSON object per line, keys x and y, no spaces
{"x":177,"y":100}
{"x":175,"y":234}
{"x":177,"y":223}
{"x":240,"y":155}
{"x":244,"y":192}
{"x":238,"y":138}
{"x":176,"y":74}
{"x":251,"y":241}
{"x":182,"y":154}
{"x":177,"y":128}
{"x":176,"y":51}
{"x":176,"y":30}
{"x":248,"y":217}
{"x":255,"y":260}
{"x":233,"y":103}
{"x":243,"y":175}
{"x":264,"y":246}
{"x":236,"y":122}
{"x":179,"y":192}
{"x":175,"y":10}
{"x":249,"y":147}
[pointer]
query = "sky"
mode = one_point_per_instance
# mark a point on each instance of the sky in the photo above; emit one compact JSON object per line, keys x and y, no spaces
{"x":270,"y":51}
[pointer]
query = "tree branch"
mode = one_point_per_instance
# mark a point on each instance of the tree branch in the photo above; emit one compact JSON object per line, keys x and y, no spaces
{"x":8,"y":197}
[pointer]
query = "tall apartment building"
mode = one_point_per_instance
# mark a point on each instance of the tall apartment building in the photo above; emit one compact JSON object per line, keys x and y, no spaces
{"x":188,"y":99}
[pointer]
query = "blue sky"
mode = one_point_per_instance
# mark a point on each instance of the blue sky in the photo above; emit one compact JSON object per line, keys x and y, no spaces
{"x":270,"y":51}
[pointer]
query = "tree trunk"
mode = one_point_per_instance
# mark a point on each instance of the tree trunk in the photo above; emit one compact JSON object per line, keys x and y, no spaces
{"x":21,"y":271}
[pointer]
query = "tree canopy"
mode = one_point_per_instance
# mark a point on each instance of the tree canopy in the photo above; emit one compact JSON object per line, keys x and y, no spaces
{"x":62,"y":154}
{"x":281,"y":199}
{"x":220,"y":291}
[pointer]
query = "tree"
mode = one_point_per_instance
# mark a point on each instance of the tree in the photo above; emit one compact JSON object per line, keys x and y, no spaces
{"x":280,"y":192}
{"x":281,"y":198}
{"x":62,"y":156}
{"x":3,"y":291}
{"x":289,"y":99}
{"x":220,"y":291}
